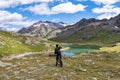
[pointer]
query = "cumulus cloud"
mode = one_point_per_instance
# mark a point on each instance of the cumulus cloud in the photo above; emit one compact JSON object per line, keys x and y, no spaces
{"x":11,"y":29}
{"x":108,"y":10}
{"x":43,"y":9}
{"x":61,"y":0}
{"x":31,"y":1}
{"x":108,"y":2}
{"x":10,"y":3}
{"x":106,"y":15}
{"x":68,"y":8}
{"x":14,"y":3}
{"x":11,"y":20}
{"x":6,"y":16}
{"x":7,"y":3}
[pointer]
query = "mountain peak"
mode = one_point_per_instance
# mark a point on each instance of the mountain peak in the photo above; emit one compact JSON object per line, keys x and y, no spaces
{"x":89,"y":20}
{"x":41,"y":28}
{"x":63,"y":24}
{"x":42,"y":22}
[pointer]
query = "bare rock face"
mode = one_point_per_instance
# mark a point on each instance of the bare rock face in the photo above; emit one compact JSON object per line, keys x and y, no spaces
{"x":43,"y":29}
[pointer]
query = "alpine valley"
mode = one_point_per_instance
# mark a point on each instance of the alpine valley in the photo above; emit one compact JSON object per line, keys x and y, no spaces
{"x":29,"y":53}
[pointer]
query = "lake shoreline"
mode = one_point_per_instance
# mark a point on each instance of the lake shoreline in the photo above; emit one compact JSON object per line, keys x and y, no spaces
{"x":89,"y":44}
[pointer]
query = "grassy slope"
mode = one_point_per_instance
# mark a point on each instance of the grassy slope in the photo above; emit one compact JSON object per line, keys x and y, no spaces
{"x":91,"y":35}
{"x":11,"y":43}
{"x":110,"y":49}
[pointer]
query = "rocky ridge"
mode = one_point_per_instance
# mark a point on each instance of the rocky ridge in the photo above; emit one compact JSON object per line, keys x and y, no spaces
{"x":112,"y":24}
{"x":43,"y":29}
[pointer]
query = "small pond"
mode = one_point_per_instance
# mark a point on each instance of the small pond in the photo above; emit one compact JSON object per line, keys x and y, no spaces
{"x":77,"y":49}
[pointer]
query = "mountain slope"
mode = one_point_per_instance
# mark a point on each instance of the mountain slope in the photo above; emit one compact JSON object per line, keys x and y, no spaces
{"x":9,"y":45}
{"x":92,"y":30}
{"x":13,"y":43}
{"x":43,"y":29}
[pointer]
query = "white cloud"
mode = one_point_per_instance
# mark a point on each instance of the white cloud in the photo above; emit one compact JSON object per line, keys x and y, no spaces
{"x":10,"y":16}
{"x":55,"y":20}
{"x":61,"y":0}
{"x":68,"y":8}
{"x":108,"y":2}
{"x":13,"y":3}
{"x":43,"y":9}
{"x":107,"y":11}
{"x":106,"y":15}
{"x":34,"y":1}
{"x":10,"y":3}
{"x":7,"y":3}
{"x":12,"y":29}
{"x":106,"y":8}
{"x":13,"y":20}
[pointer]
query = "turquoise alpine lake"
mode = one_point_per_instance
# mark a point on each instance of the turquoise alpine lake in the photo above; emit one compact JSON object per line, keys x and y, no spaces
{"x":77,"y":49}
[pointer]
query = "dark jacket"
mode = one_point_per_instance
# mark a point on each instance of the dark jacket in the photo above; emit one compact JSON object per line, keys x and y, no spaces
{"x":56,"y":50}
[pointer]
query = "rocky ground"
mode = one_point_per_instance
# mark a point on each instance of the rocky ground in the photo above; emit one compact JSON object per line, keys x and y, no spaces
{"x":87,"y":66}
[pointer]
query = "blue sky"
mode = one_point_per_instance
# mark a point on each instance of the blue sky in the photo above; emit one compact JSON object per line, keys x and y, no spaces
{"x":15,"y":14}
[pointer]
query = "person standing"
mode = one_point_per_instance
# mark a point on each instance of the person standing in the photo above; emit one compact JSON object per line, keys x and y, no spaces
{"x":58,"y":55}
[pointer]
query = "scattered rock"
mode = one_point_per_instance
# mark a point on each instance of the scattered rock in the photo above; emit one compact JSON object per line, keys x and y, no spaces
{"x":55,"y":74}
{"x":72,"y":73}
{"x":94,"y":78}
{"x":86,"y":54}
{"x":84,"y":70}
{"x":24,"y":70}
{"x":16,"y":73}
{"x":88,"y":61}
{"x":17,"y":77}
{"x":47,"y":44}
{"x":30,"y":79}
{"x":3,"y":64}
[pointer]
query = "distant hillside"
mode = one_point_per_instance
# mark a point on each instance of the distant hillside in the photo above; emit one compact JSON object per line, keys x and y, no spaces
{"x":13,"y":43}
{"x":91,"y":30}
{"x":43,"y":29}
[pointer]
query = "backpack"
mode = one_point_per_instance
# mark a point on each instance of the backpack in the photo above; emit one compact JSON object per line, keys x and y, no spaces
{"x":56,"y":51}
